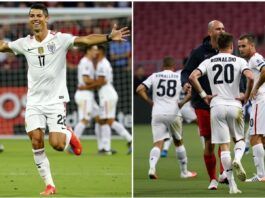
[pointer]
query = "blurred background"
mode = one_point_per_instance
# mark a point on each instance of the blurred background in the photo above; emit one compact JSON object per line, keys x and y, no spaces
{"x":77,"y":18}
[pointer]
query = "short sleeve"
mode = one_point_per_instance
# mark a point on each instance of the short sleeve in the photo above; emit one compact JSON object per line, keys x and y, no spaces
{"x":202,"y":67}
{"x":101,"y":71}
{"x":258,"y":62}
{"x":16,"y":46}
{"x":148,"y":82}
{"x":244,"y":65}
{"x":85,"y":68}
{"x":67,"y":40}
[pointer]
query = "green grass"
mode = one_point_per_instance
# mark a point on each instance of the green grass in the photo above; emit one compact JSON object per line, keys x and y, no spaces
{"x":169,"y":183}
{"x":88,"y":175}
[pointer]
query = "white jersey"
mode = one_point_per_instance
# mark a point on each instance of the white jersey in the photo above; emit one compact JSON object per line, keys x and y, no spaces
{"x":106,"y":91}
{"x":46,"y":67}
{"x":85,"y":68}
{"x":224,"y":72}
{"x":165,"y":90}
{"x":255,"y":63}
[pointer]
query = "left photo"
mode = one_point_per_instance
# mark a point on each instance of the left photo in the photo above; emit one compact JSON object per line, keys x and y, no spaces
{"x":65,"y":99}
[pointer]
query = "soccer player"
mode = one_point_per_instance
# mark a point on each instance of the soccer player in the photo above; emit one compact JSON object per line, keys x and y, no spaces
{"x":165,"y":119}
{"x":206,"y":50}
{"x":224,"y":72}
{"x":186,"y":113}
{"x":108,"y":99}
{"x":45,"y":52}
{"x":247,"y":50}
{"x":84,"y":98}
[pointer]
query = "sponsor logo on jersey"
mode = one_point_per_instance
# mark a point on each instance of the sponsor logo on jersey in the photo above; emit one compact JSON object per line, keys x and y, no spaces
{"x":61,"y":97}
{"x":51,"y":47}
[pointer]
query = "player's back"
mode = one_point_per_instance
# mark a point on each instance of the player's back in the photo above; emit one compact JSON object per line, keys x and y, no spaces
{"x":165,"y":90}
{"x":85,"y":67}
{"x":104,"y":69}
{"x":224,"y":72}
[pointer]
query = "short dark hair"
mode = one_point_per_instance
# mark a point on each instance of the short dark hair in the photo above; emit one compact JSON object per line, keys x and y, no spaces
{"x":102,"y":48}
{"x":40,"y":6}
{"x":250,"y":37}
{"x":169,"y":61}
{"x":225,"y":40}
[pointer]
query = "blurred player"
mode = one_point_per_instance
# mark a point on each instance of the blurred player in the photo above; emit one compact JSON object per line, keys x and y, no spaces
{"x":206,"y":50}
{"x":247,"y":50}
{"x":84,"y":98}
{"x":165,"y":119}
{"x":108,"y":99}
{"x":45,"y":52}
{"x":186,"y":113}
{"x":224,"y":72}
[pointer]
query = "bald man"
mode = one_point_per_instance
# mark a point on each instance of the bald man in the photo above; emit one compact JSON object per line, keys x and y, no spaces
{"x":206,"y":50}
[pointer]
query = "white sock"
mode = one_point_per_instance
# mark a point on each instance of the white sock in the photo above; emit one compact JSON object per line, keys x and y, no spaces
{"x":43,"y":166}
{"x":79,"y":129}
{"x":227,"y":164}
{"x":120,"y":129}
{"x":167,"y":144}
{"x":154,"y":157}
{"x":68,"y":138}
{"x":258,"y":156}
{"x":106,"y":137}
{"x":98,"y":136}
{"x":239,"y":149}
{"x":182,"y":158}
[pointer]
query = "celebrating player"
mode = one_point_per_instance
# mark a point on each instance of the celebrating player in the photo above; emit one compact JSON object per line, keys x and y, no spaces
{"x":45,"y":52}
{"x":247,"y":50}
{"x":224,"y":72}
{"x":165,"y":119}
{"x":108,"y":99}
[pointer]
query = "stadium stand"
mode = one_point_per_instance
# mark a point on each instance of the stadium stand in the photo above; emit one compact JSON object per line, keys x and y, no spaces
{"x":176,"y":28}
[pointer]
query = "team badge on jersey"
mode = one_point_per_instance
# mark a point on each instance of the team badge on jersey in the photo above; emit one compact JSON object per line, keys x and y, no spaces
{"x":51,"y":47}
{"x":40,"y":50}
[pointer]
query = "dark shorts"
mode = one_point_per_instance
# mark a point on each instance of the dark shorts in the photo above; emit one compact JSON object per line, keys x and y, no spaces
{"x":204,"y":123}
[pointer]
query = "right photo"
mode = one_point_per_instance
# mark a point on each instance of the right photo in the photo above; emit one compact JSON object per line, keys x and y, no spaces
{"x":199,"y":99}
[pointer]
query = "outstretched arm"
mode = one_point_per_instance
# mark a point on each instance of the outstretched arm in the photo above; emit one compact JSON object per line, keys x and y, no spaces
{"x":93,"y":39}
{"x":4,"y":47}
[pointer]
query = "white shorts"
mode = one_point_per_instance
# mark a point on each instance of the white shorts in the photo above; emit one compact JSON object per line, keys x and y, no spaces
{"x":107,"y":108}
{"x":188,"y":113}
{"x":257,"y":119}
{"x":226,"y":122}
{"x":53,"y":116}
{"x":165,"y":126}
{"x":86,"y":105}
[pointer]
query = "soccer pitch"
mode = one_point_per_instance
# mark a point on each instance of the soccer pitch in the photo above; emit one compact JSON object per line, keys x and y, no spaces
{"x":89,"y":175}
{"x":169,"y":183}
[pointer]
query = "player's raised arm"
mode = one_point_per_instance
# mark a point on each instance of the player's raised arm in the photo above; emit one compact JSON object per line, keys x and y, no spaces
{"x":93,"y":39}
{"x":4,"y":47}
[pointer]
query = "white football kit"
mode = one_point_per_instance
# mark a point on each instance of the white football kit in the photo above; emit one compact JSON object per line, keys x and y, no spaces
{"x":224,"y":72}
{"x":257,"y":116}
{"x":165,"y":109}
{"x":87,"y":106}
{"x":47,"y":90}
{"x":108,"y":96}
